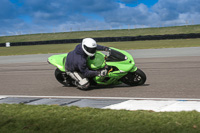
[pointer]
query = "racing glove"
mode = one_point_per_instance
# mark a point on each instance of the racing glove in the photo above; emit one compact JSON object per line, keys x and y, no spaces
{"x":103,"y":72}
{"x":107,"y":49}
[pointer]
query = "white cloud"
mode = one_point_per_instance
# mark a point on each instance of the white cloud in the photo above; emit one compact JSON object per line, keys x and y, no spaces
{"x":179,"y":11}
{"x":121,"y":5}
{"x":90,"y":14}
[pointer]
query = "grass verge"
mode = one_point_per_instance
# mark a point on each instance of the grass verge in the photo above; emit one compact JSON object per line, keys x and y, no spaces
{"x":102,"y":33}
{"x":62,"y":48}
{"x":45,"y":118}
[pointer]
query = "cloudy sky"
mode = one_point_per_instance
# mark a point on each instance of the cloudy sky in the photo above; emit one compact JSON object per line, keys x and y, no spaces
{"x":44,"y":16}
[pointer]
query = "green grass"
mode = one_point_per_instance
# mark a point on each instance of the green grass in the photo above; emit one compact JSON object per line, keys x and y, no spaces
{"x":45,"y":119}
{"x":27,"y":119}
{"x":62,"y":48}
{"x":102,"y":33}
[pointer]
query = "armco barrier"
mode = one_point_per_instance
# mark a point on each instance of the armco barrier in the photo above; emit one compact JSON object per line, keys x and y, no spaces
{"x":108,"y":39}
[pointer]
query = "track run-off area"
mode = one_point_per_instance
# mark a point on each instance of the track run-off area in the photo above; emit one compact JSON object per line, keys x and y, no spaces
{"x":172,"y":73}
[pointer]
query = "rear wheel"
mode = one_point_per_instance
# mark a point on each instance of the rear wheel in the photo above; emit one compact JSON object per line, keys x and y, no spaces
{"x":134,"y":78}
{"x":62,"y":77}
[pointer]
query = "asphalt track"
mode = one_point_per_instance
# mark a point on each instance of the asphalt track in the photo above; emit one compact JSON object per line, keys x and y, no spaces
{"x":171,"y":73}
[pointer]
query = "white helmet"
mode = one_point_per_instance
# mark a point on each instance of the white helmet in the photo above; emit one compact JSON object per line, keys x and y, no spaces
{"x":89,"y":46}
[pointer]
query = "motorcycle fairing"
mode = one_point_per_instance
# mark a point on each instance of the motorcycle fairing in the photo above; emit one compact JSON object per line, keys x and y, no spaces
{"x":58,"y":61}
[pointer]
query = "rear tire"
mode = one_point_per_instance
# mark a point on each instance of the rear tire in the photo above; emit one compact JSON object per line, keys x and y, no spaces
{"x":135,"y":78}
{"x":59,"y":75}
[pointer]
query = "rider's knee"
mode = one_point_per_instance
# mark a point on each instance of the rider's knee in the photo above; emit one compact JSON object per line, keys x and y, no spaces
{"x":81,"y":82}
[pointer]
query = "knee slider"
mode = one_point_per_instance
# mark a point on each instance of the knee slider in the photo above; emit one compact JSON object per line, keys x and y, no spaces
{"x":80,"y":79}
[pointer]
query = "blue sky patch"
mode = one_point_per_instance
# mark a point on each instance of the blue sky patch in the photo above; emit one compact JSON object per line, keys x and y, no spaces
{"x":37,"y":15}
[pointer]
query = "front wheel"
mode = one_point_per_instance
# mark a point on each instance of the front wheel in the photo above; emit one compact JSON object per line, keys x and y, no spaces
{"x":135,"y":78}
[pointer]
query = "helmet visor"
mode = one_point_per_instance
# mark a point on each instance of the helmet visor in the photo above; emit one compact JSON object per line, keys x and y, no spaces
{"x":90,"y":50}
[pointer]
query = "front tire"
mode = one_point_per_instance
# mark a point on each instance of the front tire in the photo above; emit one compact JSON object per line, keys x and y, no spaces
{"x":135,"y":78}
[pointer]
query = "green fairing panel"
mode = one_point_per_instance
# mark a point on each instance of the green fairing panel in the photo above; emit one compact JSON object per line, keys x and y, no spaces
{"x":125,"y":65}
{"x":121,"y":66}
{"x":133,"y":69}
{"x":98,"y":62}
{"x":58,"y":61}
{"x":112,"y":79}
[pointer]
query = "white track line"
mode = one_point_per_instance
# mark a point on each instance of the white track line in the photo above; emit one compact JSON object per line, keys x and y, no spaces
{"x":1,"y":97}
{"x":88,"y":97}
{"x":157,"y":106}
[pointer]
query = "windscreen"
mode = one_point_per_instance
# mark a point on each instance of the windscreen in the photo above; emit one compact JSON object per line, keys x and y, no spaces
{"x":116,"y":56}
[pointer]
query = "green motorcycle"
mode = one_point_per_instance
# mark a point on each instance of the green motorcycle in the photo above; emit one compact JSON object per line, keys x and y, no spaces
{"x":119,"y":64}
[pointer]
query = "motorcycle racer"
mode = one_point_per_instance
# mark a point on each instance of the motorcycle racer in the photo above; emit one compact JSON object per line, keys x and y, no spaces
{"x":76,"y":63}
